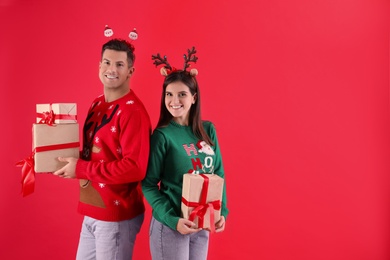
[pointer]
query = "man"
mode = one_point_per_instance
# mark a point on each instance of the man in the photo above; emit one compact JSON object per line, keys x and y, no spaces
{"x":113,"y":161}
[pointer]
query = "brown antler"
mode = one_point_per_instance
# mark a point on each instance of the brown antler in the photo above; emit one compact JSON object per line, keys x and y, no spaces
{"x":190,"y":58}
{"x":158,"y":60}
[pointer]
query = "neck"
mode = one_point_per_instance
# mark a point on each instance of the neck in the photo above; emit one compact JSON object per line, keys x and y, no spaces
{"x":180,"y":121}
{"x":114,"y":94}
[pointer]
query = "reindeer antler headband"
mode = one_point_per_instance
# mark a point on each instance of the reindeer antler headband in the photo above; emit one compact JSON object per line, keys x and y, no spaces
{"x":168,"y":69}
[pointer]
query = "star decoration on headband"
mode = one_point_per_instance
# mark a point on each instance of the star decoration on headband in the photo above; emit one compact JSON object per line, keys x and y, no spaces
{"x":108,"y":32}
{"x":168,"y":69}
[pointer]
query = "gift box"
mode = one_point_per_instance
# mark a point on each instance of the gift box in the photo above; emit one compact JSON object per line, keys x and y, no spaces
{"x":201,"y":199}
{"x":53,"y":141}
{"x":56,"y":113}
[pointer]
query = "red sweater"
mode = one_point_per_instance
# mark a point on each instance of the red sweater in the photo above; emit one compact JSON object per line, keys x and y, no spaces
{"x":113,"y":162}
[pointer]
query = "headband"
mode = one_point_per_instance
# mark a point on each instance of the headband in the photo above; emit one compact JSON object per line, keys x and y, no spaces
{"x":108,"y":32}
{"x":168,"y":69}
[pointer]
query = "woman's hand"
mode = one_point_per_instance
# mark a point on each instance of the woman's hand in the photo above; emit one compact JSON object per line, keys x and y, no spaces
{"x":220,"y":225}
{"x":185,"y":226}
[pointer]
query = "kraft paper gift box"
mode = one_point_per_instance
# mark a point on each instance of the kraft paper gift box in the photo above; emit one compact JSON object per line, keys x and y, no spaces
{"x":53,"y":141}
{"x":201,"y":196}
{"x":63,"y":113}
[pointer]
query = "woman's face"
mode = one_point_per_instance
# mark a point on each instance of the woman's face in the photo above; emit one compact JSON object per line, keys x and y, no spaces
{"x":178,"y":101}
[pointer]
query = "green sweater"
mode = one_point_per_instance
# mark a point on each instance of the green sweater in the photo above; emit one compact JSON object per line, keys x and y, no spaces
{"x":174,"y":151}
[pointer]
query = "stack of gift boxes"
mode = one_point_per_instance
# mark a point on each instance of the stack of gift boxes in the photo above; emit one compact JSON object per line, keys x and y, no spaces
{"x":55,"y":134}
{"x":201,"y":199}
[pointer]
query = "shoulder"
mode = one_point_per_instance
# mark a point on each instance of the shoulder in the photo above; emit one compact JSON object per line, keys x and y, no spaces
{"x":132,"y":105}
{"x":132,"y":102}
{"x":161,"y":131}
{"x":208,"y":125}
{"x":210,"y":129}
{"x":168,"y":132}
{"x":160,"y":137}
{"x":99,"y":98}
{"x":97,"y":101}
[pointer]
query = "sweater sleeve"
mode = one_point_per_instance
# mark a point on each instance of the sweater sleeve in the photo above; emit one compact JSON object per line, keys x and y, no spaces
{"x":131,"y":167}
{"x":219,"y":170}
{"x":150,"y":185}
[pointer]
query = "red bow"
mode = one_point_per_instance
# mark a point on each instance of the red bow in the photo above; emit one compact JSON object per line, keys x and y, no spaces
{"x":169,"y":71}
{"x":47,"y":117}
{"x":202,"y":206}
{"x":200,"y":212}
{"x":28,"y":175}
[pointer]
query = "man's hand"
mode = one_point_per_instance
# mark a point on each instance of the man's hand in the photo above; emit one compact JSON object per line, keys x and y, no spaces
{"x":69,"y":170}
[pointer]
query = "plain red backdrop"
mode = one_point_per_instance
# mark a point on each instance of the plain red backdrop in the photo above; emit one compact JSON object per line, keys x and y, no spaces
{"x":298,"y":90}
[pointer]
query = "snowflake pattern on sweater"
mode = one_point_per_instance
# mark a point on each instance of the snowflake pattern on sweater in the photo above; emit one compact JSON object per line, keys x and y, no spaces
{"x":114,"y":158}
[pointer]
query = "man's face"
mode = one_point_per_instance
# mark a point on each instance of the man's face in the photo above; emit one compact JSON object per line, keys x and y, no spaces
{"x":114,"y":70}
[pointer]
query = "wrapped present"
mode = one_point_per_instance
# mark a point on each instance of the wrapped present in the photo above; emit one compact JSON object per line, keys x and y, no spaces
{"x":56,"y":113}
{"x":53,"y":141}
{"x":201,"y":199}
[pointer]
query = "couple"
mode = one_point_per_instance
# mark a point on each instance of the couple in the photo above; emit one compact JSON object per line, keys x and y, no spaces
{"x":121,"y":162}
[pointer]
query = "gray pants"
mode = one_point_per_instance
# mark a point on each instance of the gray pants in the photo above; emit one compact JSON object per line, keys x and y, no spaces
{"x":169,"y":244}
{"x":103,"y":240}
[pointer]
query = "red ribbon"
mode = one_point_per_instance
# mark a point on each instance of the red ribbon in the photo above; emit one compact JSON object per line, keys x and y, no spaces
{"x":202,"y":206}
{"x":46,"y":117}
{"x":49,"y":117}
{"x":28,"y":175}
{"x":56,"y":147}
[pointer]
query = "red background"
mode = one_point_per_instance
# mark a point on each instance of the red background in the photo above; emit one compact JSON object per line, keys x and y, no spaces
{"x":298,"y":90}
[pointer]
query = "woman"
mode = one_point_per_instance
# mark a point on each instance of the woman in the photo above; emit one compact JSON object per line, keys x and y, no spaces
{"x":179,"y":134}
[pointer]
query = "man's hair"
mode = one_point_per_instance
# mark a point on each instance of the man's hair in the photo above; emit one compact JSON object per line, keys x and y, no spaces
{"x":121,"y":45}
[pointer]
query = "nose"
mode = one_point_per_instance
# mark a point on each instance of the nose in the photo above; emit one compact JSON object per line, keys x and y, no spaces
{"x":175,"y":99}
{"x":111,"y":68}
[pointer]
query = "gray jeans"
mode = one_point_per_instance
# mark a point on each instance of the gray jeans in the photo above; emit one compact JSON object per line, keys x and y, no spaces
{"x":103,"y":240}
{"x":169,"y":244}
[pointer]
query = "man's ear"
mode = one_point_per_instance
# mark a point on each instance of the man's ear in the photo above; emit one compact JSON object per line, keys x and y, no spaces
{"x":131,"y":71}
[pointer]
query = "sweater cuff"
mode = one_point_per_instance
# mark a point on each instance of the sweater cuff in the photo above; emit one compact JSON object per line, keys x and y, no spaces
{"x":225,"y":213}
{"x":81,"y":169}
{"x":172,"y":222}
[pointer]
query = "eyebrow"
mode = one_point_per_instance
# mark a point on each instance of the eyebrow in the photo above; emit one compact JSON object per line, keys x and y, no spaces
{"x":184,"y":91}
{"x":122,"y":62}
